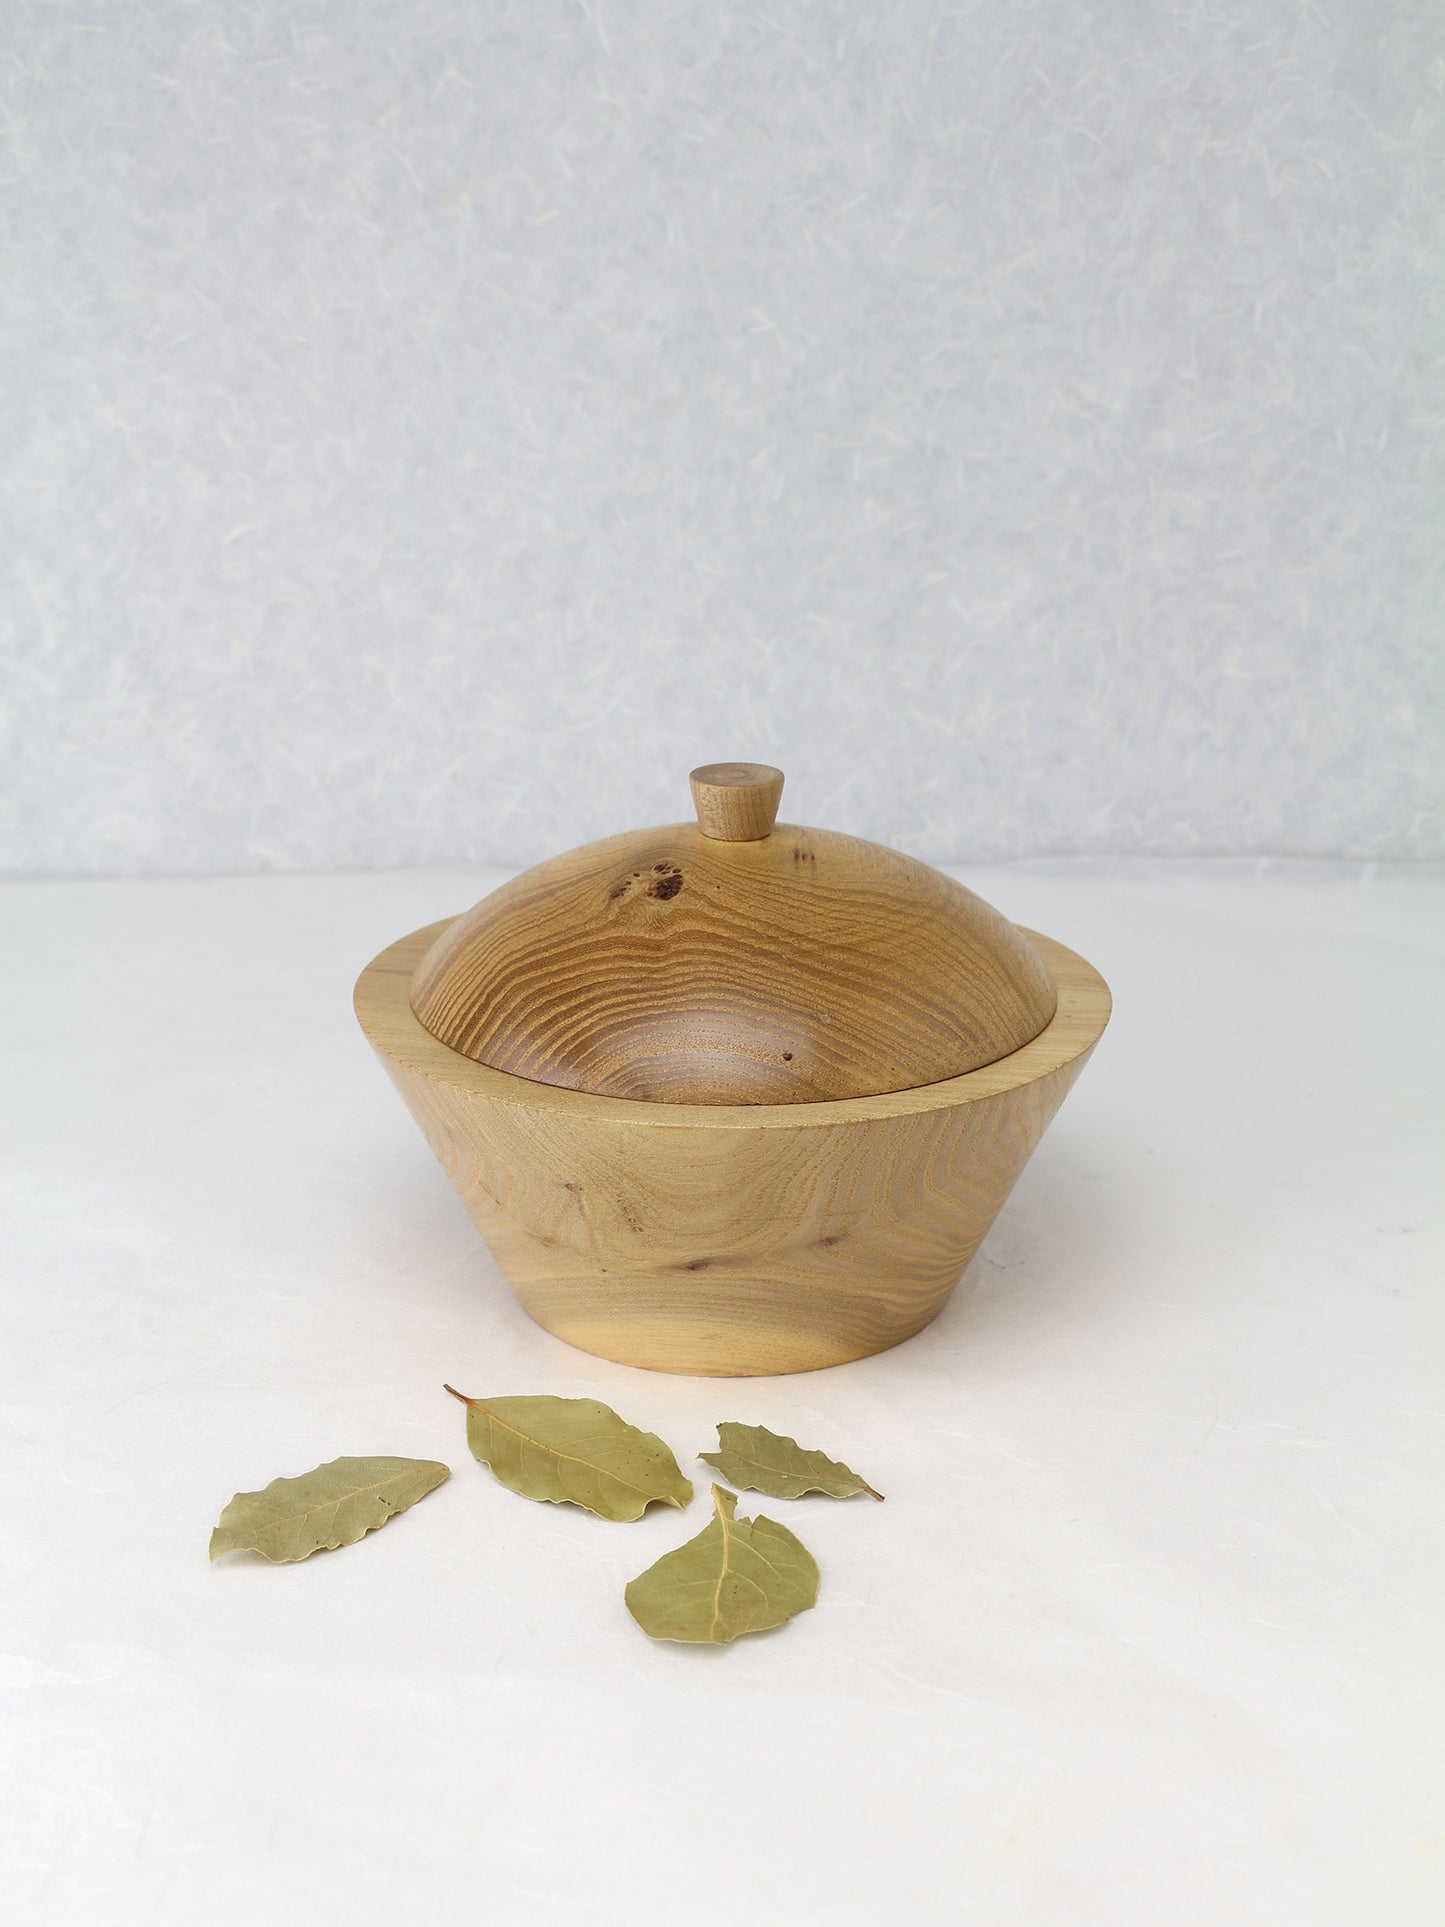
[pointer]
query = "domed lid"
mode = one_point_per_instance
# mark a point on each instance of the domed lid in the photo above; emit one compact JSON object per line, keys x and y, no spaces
{"x":732,"y":961}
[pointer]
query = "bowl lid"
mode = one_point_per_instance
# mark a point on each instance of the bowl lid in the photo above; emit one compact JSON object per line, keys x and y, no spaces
{"x":733,"y":961}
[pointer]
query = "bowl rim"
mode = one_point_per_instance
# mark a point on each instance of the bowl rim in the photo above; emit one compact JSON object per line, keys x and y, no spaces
{"x":383,"y":1009}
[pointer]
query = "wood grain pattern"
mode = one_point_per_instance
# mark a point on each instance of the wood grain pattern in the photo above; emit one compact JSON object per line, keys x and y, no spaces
{"x":731,"y":1240}
{"x":671,"y":967}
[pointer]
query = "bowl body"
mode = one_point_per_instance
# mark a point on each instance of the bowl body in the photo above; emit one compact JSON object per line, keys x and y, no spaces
{"x":731,"y":1240}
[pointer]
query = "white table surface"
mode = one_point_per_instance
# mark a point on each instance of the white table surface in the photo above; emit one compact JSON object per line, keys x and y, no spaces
{"x":1149,"y":1627}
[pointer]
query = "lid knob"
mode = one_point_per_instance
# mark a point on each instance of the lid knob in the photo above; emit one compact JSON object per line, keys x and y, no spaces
{"x":736,"y":802}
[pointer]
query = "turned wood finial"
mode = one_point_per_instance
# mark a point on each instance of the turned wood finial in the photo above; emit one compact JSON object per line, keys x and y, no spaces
{"x":736,"y":802}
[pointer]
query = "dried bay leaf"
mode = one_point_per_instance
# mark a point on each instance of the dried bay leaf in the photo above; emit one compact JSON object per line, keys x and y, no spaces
{"x":755,"y":1459}
{"x":573,"y":1451}
{"x":335,"y":1505}
{"x":737,"y":1576}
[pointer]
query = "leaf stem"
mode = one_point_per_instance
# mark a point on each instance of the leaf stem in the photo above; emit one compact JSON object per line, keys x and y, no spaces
{"x":466,"y":1401}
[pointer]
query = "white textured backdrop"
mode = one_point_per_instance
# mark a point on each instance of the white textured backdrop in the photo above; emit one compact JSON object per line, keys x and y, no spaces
{"x":428,"y":429}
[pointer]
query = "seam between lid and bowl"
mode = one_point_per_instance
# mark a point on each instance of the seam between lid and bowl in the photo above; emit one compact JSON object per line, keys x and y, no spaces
{"x":383,"y":1009}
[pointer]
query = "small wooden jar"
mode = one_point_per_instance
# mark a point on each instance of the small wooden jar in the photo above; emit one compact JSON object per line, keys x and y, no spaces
{"x":732,"y":1097}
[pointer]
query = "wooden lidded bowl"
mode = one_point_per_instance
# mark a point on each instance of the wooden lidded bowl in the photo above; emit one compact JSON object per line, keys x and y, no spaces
{"x":732,"y":1097}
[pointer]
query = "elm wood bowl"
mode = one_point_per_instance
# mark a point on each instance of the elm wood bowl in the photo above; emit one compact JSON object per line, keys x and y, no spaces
{"x":730,"y":1240}
{"x":739,"y":1237}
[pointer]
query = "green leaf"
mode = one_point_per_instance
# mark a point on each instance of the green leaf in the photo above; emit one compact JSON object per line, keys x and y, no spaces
{"x":737,"y":1576}
{"x":335,"y":1505}
{"x":573,"y":1451}
{"x":758,"y":1460}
